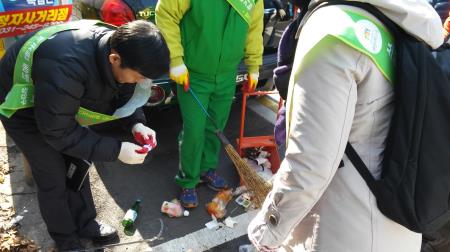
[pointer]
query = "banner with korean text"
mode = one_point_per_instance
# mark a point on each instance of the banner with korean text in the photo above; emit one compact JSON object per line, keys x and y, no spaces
{"x":18,"y":17}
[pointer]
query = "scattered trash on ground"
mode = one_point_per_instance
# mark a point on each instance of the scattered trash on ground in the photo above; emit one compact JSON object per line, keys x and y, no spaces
{"x":128,"y":221}
{"x":239,"y":190}
{"x":258,"y":159}
{"x":213,"y":224}
{"x":217,"y":206}
{"x":244,"y":200}
{"x":230,"y":222}
{"x":173,"y":208}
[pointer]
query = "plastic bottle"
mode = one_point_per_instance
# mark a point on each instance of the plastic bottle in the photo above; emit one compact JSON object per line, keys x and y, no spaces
{"x":217,"y":206}
{"x":130,"y":218}
{"x":173,"y":209}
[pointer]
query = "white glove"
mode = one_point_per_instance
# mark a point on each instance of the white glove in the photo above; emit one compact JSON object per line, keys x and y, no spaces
{"x":180,"y":75}
{"x":282,"y":13}
{"x":145,"y":132}
{"x":128,"y":153}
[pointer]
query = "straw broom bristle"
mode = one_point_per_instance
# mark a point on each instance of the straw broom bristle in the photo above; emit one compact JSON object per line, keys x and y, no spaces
{"x":254,"y":183}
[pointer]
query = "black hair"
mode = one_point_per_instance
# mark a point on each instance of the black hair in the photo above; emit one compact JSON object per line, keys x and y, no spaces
{"x":142,"y":48}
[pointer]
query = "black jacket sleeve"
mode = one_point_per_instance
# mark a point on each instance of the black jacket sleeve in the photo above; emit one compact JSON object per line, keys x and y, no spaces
{"x":58,"y":90}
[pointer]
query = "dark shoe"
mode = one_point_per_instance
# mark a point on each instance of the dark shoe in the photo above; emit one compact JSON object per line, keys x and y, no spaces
{"x":188,"y":198}
{"x":214,"y":181}
{"x":70,"y":245}
{"x":99,"y":232}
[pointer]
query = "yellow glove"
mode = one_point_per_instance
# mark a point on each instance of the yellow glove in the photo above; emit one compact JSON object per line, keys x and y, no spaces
{"x":252,"y":82}
{"x":180,"y":75}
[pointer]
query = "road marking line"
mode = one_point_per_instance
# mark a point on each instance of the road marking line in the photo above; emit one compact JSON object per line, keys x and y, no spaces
{"x":205,"y":239}
{"x":261,"y":110}
{"x":269,"y":103}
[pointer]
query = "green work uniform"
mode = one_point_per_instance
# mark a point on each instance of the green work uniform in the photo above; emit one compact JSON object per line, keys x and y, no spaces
{"x":211,"y":38}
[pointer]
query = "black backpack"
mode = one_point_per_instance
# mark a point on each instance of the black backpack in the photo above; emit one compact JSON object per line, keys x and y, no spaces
{"x":414,"y":188}
{"x":442,"y":56}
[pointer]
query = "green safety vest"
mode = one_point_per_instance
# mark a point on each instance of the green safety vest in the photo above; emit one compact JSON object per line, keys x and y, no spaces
{"x":243,"y":7}
{"x":21,"y":94}
{"x":372,"y":39}
{"x":365,"y":35}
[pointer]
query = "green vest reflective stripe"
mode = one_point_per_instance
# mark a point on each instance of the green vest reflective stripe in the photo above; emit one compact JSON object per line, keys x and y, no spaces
{"x":243,"y":7}
{"x":363,"y":34}
{"x":86,"y":117}
{"x":21,"y":94}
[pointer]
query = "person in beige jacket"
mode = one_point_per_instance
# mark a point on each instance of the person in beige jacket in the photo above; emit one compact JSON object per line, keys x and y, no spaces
{"x":337,"y":94}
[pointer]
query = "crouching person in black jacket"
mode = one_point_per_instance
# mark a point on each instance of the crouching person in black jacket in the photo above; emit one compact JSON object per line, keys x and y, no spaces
{"x":57,"y":81}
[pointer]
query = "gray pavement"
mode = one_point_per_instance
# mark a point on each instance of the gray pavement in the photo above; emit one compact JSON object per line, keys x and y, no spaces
{"x":115,"y":187}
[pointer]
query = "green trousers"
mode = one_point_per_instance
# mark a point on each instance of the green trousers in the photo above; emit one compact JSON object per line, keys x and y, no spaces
{"x":199,"y":146}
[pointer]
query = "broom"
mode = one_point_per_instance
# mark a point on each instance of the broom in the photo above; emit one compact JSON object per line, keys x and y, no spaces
{"x":254,"y":183}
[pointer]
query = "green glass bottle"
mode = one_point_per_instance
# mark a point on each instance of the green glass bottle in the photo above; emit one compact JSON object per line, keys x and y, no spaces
{"x":130,"y":218}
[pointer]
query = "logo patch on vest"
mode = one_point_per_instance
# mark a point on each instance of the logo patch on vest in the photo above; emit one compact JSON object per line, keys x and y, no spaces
{"x":369,"y":36}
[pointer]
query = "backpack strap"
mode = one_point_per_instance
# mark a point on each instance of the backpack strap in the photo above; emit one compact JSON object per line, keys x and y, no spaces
{"x":360,"y":167}
{"x":351,"y":153}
